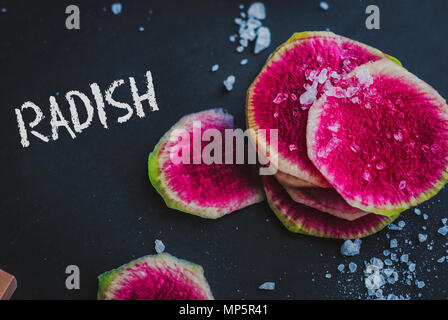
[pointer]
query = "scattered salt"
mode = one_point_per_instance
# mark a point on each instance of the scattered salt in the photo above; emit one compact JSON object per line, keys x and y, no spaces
{"x":292,"y":147}
{"x":232,"y":38}
{"x":425,"y":216}
{"x":267,"y":286}
{"x":257,"y":10}
{"x":402,"y":185}
{"x":417,"y":211}
{"x":352,"y":267}
{"x":243,"y":62}
{"x":263,"y":39}
{"x":351,"y":248}
{"x":159,"y":246}
{"x":393,"y":243}
{"x":229,"y":82}
{"x":239,"y":49}
{"x":141,"y":29}
{"x":341,"y":267}
{"x":215,"y":67}
{"x":422,"y":237}
{"x":324,"y":5}
{"x":404,"y":258}
{"x":443,"y":230}
{"x":328,"y":275}
{"x":116,"y":8}
{"x":441,"y":260}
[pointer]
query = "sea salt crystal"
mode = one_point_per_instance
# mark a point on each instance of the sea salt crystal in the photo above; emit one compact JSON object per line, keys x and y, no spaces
{"x":244,"y":42}
{"x":215,"y":67}
{"x":351,"y":91}
{"x":394,"y":227}
{"x":377,"y":263}
{"x":335,"y":75}
{"x":352,"y":267}
{"x":328,"y":275}
{"x":356,"y":100}
{"x":404,"y":258}
{"x":141,"y":29}
{"x":159,"y":246}
{"x":401,"y":224}
{"x":417,"y":211}
{"x":229,"y":82}
{"x":308,"y":97}
{"x":267,"y":286}
{"x":263,"y":39}
{"x":4,"y":10}
{"x":388,"y":262}
{"x":243,"y":62}
{"x":443,"y":230}
{"x":322,"y":77}
{"x":374,"y":281}
{"x":422,"y":237}
{"x":324,"y":5}
{"x":341,"y":267}
{"x":364,"y":76}
{"x":257,"y":10}
{"x":280,"y":98}
{"x":393,"y":243}
{"x":411,"y":267}
{"x":351,"y":248}
{"x":420,"y":284}
{"x":292,"y":147}
{"x":386,"y":252}
{"x":116,"y":8}
{"x":444,"y":220}
{"x":441,"y":260}
{"x":232,"y":38}
{"x":425,"y":216}
{"x":239,"y":49}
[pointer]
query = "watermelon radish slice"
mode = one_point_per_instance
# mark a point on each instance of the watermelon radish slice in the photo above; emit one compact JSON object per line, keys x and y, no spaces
{"x":156,"y":277}
{"x":207,"y":190}
{"x":390,"y":151}
{"x":325,"y":200}
{"x":302,"y":219}
{"x":294,"y":76}
{"x":291,"y":181}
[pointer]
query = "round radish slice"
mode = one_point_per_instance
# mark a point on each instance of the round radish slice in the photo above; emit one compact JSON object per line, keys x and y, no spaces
{"x":295,"y":76}
{"x":391,"y":149}
{"x":157,"y":277}
{"x":302,"y":219}
{"x":209,"y":190}
{"x":325,"y":200}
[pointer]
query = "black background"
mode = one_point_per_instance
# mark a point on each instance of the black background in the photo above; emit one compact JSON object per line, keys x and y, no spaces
{"x":89,"y":202}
